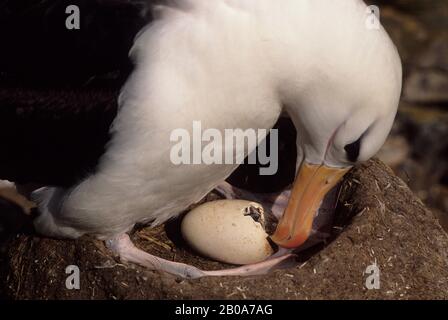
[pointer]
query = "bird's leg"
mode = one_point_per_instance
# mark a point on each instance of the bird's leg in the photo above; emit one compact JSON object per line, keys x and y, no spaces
{"x":275,"y":202}
{"x":123,"y":247}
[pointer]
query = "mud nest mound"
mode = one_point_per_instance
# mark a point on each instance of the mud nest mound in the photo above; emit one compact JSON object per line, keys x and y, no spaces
{"x":379,"y":220}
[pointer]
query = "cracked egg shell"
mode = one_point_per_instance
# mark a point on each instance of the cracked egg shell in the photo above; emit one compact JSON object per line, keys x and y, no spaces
{"x":229,"y":231}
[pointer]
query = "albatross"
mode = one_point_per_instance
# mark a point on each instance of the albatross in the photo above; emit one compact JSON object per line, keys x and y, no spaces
{"x":234,"y":64}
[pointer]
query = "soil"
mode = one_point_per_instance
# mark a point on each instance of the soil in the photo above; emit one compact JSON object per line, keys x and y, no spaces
{"x":378,"y":220}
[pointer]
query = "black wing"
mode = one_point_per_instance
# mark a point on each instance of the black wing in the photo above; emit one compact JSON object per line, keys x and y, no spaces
{"x":58,"y":87}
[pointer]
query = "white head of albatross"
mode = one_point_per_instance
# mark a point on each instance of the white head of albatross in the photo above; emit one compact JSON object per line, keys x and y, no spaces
{"x":235,"y":64}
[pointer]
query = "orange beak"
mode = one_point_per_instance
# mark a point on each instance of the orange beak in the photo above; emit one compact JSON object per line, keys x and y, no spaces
{"x":313,"y":182}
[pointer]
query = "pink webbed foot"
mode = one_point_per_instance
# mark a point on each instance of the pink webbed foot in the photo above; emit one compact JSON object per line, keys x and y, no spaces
{"x":123,"y":247}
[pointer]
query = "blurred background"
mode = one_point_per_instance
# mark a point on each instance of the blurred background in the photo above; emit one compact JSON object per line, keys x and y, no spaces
{"x":418,"y":147}
{"x":35,"y":75}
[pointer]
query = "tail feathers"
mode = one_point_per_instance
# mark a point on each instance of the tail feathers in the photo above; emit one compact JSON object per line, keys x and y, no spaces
{"x":50,"y":201}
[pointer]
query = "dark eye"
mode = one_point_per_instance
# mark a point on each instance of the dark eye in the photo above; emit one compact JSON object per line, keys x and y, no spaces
{"x":353,"y":150}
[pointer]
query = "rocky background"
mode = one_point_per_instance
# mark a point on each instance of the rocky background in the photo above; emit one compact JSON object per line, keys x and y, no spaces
{"x":418,"y":147}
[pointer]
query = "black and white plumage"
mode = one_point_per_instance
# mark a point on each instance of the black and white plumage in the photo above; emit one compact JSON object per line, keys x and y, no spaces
{"x":231,"y":64}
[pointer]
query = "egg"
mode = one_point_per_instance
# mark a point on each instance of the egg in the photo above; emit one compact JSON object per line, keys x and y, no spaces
{"x":229,"y":231}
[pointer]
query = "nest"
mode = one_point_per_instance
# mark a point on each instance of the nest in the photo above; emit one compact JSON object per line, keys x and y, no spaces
{"x":379,"y":221}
